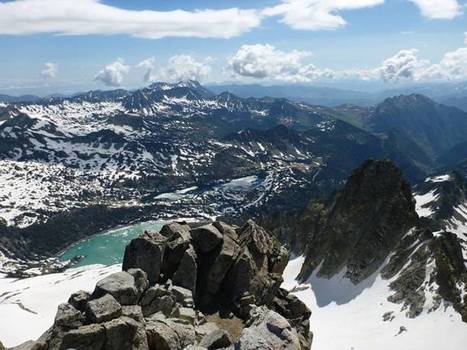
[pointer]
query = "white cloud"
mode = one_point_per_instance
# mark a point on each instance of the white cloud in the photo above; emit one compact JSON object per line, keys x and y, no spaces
{"x":82,"y":17}
{"x":465,"y":38}
{"x":406,"y":65}
{"x":403,"y":65}
{"x":267,"y":62}
{"x":183,"y":67}
{"x":148,"y":64}
{"x":49,"y":71}
{"x":453,"y":66}
{"x":112,"y":74}
{"x":316,"y":14}
{"x":438,"y":9}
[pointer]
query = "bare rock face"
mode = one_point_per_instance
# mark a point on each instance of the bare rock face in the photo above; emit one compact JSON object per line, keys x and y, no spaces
{"x":209,"y":287}
{"x":146,"y":252}
{"x":363,"y":223}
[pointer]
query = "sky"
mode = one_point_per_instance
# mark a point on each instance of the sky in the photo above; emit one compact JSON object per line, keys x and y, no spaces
{"x":65,"y":46}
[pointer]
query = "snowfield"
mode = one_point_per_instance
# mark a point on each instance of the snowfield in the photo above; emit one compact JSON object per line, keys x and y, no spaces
{"x":28,"y":306}
{"x":349,"y":317}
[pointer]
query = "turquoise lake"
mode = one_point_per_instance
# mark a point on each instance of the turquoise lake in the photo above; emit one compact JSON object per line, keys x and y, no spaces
{"x":107,"y":248}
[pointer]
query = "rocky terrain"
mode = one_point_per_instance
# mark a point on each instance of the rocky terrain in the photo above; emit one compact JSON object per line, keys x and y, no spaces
{"x":375,"y":225}
{"x":199,"y":286}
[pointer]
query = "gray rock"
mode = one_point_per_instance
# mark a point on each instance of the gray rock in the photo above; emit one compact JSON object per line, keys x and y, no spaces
{"x":165,"y":304}
{"x":120,"y":334}
{"x":134,"y":312}
{"x":29,"y":345}
{"x":182,"y":295}
{"x":68,"y":317}
{"x":280,"y":261}
{"x":186,"y":313}
{"x":90,"y":337}
{"x":206,"y":237}
{"x":221,"y":265}
{"x":179,"y":239}
{"x":186,"y":273}
{"x":141,"y":280}
{"x":120,"y":285}
{"x":268,"y":330}
{"x":79,"y":299}
{"x":164,"y":334}
{"x":217,"y":339}
{"x":146,"y":252}
{"x":103,"y":309}
{"x":176,"y":230}
{"x":204,"y":329}
{"x":226,"y":229}
{"x":238,"y":278}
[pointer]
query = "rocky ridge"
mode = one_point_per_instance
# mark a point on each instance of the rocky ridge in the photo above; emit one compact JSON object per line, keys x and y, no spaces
{"x":376,"y":226}
{"x":197,"y":286}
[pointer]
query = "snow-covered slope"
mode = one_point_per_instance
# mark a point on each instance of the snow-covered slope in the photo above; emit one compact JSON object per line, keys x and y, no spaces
{"x":28,"y":306}
{"x":415,"y":299}
{"x":359,"y":317}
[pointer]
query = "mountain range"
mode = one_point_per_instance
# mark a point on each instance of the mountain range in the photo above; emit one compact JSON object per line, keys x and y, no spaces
{"x":170,"y":149}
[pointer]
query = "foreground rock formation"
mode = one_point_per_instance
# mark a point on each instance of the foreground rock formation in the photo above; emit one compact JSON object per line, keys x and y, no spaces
{"x":207,"y":286}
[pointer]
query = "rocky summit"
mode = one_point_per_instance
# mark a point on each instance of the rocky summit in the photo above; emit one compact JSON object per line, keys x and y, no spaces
{"x":363,"y":223}
{"x":189,"y":286}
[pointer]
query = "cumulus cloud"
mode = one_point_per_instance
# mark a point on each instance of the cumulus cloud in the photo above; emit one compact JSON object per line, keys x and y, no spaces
{"x":49,"y":71}
{"x":406,"y":65}
{"x":403,"y":65}
{"x":266,"y":62}
{"x":184,"y":67}
{"x":113,"y":73}
{"x":72,"y":17}
{"x":316,"y":14}
{"x":438,"y":9}
{"x":148,"y":64}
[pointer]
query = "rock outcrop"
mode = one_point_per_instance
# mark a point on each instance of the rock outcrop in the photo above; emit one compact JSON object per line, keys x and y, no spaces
{"x":207,"y":286}
{"x":363,"y":223}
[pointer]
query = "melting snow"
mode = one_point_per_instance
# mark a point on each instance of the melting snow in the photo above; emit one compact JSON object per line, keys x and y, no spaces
{"x":423,"y":201}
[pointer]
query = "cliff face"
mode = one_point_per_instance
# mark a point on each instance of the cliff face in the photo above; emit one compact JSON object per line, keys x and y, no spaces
{"x":211,"y":285}
{"x":362,"y":224}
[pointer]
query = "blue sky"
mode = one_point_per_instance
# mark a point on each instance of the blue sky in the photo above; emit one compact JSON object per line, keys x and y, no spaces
{"x":267,"y":41}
